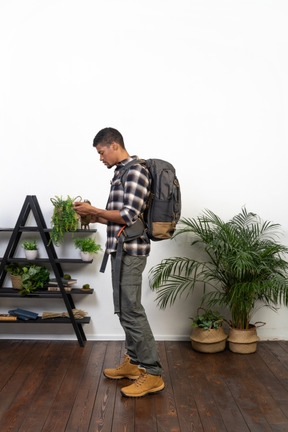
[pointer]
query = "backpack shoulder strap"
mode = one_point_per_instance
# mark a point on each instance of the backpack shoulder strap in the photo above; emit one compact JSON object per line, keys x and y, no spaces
{"x":125,"y":169}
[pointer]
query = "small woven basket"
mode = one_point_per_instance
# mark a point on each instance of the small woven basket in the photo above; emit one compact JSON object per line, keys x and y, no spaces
{"x":16,"y":282}
{"x":208,"y":341}
{"x":243,"y":341}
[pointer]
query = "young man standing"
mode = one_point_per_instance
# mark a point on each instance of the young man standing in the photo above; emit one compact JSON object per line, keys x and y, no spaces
{"x":125,"y":203}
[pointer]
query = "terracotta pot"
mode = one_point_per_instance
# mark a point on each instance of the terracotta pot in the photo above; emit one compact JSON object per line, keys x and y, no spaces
{"x":208,"y":341}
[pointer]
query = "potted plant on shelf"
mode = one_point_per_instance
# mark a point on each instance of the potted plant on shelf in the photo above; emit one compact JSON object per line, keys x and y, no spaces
{"x":208,"y":335}
{"x":243,"y":265}
{"x":31,"y":250}
{"x":88,"y":247}
{"x":33,"y":277}
{"x":15,"y":270}
{"x":86,"y":287}
{"x":64,"y":218}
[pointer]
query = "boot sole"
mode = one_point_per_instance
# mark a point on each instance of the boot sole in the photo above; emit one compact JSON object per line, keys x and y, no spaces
{"x":130,"y":377}
{"x":151,"y":392}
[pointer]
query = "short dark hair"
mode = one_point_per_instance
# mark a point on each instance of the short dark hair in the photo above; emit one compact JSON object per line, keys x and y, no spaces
{"x":106,"y":136}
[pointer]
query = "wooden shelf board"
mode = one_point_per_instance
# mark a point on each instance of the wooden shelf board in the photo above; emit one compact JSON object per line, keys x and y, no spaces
{"x":11,"y":292}
{"x":60,"y":320}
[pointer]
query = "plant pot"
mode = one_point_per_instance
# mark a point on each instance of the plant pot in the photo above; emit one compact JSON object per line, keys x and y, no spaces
{"x":31,"y":254}
{"x":208,"y":341}
{"x":16,"y":282}
{"x":243,"y":341}
{"x":86,"y":256}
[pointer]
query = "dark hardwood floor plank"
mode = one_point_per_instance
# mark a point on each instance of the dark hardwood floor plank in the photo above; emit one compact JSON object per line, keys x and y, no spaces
{"x":12,"y":355}
{"x":213,"y":365}
{"x":30,"y":360}
{"x":124,"y":408}
{"x":14,"y":416}
{"x":69,"y":387}
{"x":145,"y":415}
{"x":275,"y":364}
{"x":103,"y":412}
{"x":179,"y":370}
{"x":57,"y":421}
{"x":57,"y":358}
{"x":83,"y":406}
{"x":210,"y":416}
{"x":284,"y":345}
{"x":166,"y":411}
{"x":9,"y":392}
{"x":279,"y":352}
{"x":246,"y":390}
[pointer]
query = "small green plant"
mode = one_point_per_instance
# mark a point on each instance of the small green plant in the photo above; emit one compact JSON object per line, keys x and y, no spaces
{"x":14,"y":269}
{"x":87,"y":245}
{"x":64,"y":219}
{"x":30,"y":245}
{"x":208,"y":320}
{"x":67,"y":276}
{"x":86,"y":287}
{"x":33,"y":277}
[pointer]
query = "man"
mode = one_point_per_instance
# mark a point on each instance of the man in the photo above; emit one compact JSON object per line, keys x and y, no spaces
{"x":126,"y":202}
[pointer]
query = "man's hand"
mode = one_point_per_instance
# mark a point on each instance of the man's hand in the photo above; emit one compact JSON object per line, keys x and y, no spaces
{"x":82,"y":208}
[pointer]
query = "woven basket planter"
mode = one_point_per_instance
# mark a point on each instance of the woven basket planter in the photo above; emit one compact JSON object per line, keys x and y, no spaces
{"x":208,"y":341}
{"x":243,"y":341}
{"x":16,"y":282}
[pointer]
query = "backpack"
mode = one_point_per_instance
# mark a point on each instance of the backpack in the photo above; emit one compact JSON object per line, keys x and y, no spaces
{"x":164,"y":203}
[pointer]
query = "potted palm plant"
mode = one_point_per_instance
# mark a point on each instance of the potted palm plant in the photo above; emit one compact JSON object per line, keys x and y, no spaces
{"x":88,"y":247}
{"x":243,"y":265}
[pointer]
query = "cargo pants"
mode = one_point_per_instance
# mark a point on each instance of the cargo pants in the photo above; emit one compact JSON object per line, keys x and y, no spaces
{"x":139,"y":340}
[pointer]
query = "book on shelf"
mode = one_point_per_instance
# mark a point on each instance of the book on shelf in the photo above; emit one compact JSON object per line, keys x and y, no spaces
{"x":23,"y":314}
{"x":7,"y":317}
{"x":57,"y":288}
{"x":65,"y":282}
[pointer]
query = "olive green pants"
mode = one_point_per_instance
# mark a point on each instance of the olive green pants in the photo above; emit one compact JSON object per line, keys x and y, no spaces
{"x":139,"y":339}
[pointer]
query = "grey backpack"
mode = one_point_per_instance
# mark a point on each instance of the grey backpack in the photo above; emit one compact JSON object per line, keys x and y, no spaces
{"x":164,"y":204}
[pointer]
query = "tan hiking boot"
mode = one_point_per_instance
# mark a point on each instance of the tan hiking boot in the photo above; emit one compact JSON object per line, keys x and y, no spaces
{"x":125,"y":370}
{"x":144,"y":385}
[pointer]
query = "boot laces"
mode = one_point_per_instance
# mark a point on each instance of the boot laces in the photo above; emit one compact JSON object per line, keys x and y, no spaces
{"x":142,"y":378}
{"x":123,"y":364}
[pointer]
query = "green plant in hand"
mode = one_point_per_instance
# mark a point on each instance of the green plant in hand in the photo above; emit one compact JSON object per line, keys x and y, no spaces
{"x":33,"y":277}
{"x":87,"y":245}
{"x":30,"y":245}
{"x":64,"y":219}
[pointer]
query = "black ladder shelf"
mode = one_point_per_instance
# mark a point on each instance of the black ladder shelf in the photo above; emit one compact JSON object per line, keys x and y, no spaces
{"x":31,"y":204}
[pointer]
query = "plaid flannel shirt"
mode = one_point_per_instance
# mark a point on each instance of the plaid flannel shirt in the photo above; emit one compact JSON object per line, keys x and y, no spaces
{"x":131,"y":202}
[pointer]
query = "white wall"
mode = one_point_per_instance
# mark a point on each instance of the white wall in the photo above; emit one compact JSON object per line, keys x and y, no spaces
{"x":200,"y":83}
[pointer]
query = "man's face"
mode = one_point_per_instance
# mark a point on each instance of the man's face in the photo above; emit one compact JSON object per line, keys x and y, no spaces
{"x":107,"y":155}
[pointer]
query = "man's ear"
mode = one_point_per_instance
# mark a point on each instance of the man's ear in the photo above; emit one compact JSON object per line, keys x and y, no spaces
{"x":114,"y":146}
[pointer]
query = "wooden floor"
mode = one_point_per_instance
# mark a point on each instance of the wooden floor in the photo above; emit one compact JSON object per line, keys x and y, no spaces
{"x":58,"y":386}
